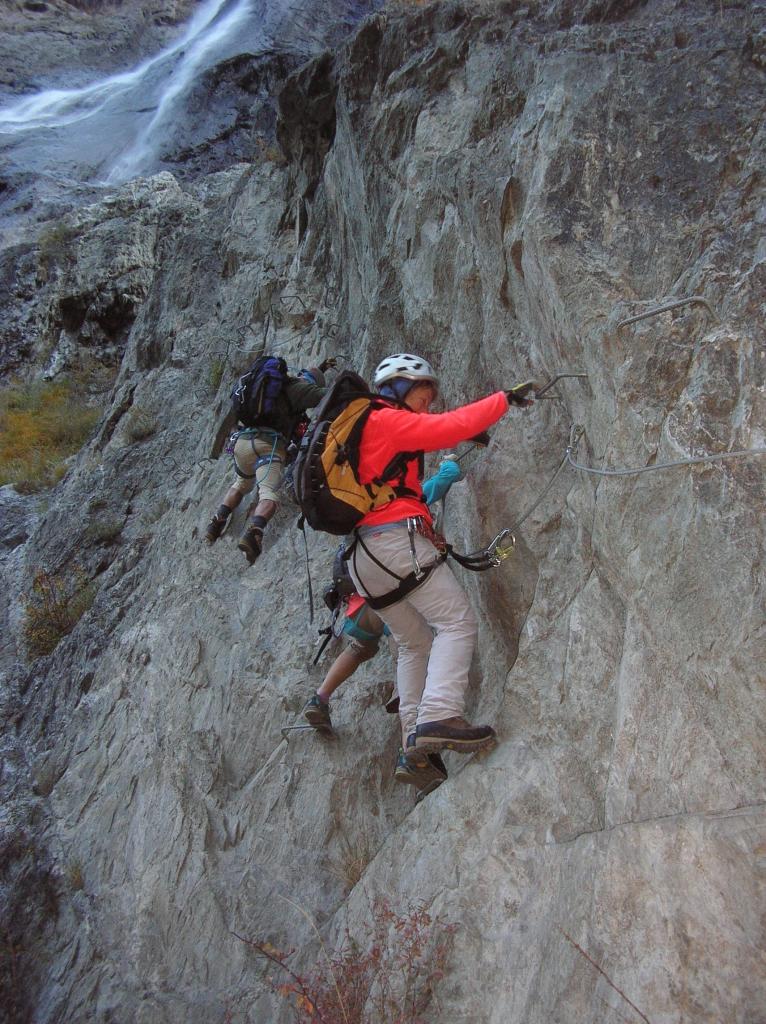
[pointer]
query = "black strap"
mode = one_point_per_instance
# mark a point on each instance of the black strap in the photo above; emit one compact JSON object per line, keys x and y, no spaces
{"x":475,"y":563}
{"x":302,"y":528}
{"x":328,"y":635}
{"x":406,"y":583}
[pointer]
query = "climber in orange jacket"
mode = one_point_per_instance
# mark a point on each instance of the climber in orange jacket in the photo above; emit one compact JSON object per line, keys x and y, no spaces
{"x":396,"y":561}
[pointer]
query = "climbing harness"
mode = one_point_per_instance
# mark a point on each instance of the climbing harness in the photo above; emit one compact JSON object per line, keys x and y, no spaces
{"x":263,"y":460}
{"x":406,"y":584}
{"x":498,"y":549}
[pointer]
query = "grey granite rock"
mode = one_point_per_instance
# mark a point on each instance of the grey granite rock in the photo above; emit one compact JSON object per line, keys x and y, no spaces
{"x":498,"y":187}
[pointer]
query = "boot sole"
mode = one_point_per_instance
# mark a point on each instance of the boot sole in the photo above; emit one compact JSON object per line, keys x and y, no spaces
{"x":250,"y":554}
{"x":420,"y":779}
{"x":316,"y":722}
{"x":428,"y":789}
{"x":434,"y":744}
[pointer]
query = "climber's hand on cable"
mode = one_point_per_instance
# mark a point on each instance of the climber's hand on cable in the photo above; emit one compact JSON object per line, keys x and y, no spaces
{"x":328,"y":364}
{"x":451,"y":467}
{"x":522,"y":395}
{"x":481,"y":439}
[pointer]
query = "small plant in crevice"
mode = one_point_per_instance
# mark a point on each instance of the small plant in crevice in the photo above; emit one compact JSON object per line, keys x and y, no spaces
{"x":269,"y":152}
{"x":389,"y":973}
{"x":75,"y":876}
{"x":216,"y":372}
{"x":356,"y":850}
{"x":140,"y":424}
{"x":55,"y":605}
{"x":53,"y":242}
{"x":103,"y":531}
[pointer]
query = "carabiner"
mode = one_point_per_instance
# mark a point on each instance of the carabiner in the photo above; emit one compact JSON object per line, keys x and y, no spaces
{"x":412,"y":529}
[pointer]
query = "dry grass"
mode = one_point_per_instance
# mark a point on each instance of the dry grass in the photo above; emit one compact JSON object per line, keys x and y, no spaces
{"x":355,"y":853}
{"x":75,"y":876}
{"x":41,"y":426}
{"x":390,"y":972}
{"x":54,"y":607}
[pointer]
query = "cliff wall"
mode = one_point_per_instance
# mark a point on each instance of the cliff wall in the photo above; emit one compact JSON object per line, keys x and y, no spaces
{"x":496,"y":187}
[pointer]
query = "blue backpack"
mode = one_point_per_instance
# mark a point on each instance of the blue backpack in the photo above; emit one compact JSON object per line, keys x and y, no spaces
{"x":255,"y":394}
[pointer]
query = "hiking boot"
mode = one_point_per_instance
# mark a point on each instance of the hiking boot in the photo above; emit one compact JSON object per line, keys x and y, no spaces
{"x":216,"y":526}
{"x":452,"y":734}
{"x":426,"y":771}
{"x":251,"y":543}
{"x":317,"y":712}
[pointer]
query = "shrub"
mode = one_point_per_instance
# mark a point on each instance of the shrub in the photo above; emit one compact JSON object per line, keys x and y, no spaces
{"x":217,"y":368}
{"x":75,"y":876}
{"x":140,"y":424}
{"x":103,"y":531}
{"x":387,"y":976}
{"x":53,"y":609}
{"x":41,"y":425}
{"x":269,"y":152}
{"x":53,"y":241}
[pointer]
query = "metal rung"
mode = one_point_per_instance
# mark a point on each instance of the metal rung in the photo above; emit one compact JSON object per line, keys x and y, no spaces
{"x":559,"y":376}
{"x":326,"y":733}
{"x":692,"y":300}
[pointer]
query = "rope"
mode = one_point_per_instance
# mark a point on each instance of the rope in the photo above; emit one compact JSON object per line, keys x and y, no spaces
{"x":578,"y":431}
{"x":542,"y":494}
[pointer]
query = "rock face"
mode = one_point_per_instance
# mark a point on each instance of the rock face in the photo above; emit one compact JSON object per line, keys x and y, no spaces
{"x":497,"y":187}
{"x":59,"y":43}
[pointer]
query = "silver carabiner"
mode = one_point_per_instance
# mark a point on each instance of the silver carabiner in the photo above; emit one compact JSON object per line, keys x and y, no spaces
{"x":412,"y":529}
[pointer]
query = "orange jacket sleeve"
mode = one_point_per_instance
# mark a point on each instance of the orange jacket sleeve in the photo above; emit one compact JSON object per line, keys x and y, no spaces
{"x":390,"y":431}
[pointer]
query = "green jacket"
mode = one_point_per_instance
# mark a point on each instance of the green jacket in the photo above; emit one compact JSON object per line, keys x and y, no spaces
{"x":294,"y":399}
{"x":292,"y":402}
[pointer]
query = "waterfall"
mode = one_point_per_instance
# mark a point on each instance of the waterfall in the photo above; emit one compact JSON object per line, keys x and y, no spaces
{"x":194,"y":56}
{"x":57,"y":108}
{"x":112,"y":129}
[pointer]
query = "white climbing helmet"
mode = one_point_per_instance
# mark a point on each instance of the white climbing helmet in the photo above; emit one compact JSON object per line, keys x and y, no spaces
{"x":405,"y":365}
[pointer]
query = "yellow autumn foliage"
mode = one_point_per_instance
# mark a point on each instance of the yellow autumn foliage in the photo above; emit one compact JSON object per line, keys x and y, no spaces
{"x":55,"y":605}
{"x":41,"y":425}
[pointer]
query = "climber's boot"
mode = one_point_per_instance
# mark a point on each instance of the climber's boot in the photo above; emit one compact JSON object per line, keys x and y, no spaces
{"x":251,"y":543}
{"x":317,"y":712}
{"x":425,"y":771}
{"x":452,"y":734}
{"x":217,"y":524}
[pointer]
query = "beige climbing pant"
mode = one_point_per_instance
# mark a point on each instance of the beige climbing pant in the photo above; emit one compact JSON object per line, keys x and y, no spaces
{"x":248,"y":450}
{"x":434,"y":626}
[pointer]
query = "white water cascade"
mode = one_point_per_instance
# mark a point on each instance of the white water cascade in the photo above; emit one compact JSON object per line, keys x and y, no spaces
{"x":116,"y":128}
{"x":196,"y":53}
{"x":124,"y":114}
